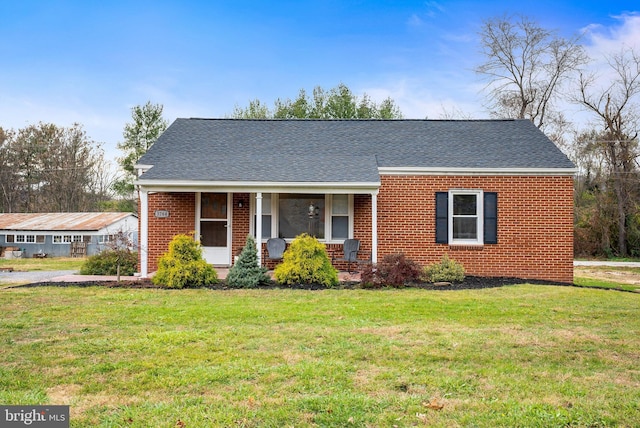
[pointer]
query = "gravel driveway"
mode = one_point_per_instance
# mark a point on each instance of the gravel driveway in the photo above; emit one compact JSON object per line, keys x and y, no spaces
{"x":33,"y":276}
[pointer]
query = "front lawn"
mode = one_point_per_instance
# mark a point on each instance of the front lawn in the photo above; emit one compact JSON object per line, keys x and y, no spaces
{"x":46,"y":264}
{"x":613,"y":277}
{"x":526,"y":355}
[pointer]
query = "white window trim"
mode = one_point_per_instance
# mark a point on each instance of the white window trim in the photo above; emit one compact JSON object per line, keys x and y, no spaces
{"x":72,"y":238}
{"x":24,"y":238}
{"x":329,"y":215}
{"x":479,"y":213}
{"x":328,"y":202}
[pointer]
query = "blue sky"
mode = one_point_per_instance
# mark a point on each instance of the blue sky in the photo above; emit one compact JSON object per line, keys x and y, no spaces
{"x":90,"y":61}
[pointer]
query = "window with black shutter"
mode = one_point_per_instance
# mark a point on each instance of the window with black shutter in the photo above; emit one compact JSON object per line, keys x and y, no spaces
{"x":466,"y":217}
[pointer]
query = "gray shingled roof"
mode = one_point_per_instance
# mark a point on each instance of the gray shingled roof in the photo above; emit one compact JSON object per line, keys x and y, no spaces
{"x":341,"y":150}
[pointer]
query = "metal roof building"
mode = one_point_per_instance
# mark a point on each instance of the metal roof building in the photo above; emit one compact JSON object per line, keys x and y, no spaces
{"x":62,"y":234}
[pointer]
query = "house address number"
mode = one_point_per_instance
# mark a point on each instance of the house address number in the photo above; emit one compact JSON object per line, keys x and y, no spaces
{"x":161,"y":213}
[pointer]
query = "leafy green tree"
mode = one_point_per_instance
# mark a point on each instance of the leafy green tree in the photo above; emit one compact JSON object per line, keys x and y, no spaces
{"x":139,"y":135}
{"x":337,"y":103}
{"x":246,"y":273}
{"x":255,"y":110}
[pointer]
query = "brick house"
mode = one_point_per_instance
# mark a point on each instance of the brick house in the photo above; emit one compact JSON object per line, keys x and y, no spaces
{"x":495,"y":195}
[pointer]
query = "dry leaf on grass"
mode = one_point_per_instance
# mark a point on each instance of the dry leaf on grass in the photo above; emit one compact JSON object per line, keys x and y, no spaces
{"x":434,"y":404}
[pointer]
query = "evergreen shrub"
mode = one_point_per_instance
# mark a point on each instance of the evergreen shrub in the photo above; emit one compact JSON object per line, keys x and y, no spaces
{"x":448,"y":270}
{"x":306,"y":262}
{"x":106,"y":263}
{"x":183,"y":266}
{"x":246,"y":273}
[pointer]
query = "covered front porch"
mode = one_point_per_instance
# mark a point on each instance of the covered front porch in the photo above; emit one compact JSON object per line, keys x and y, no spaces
{"x":222,"y":217}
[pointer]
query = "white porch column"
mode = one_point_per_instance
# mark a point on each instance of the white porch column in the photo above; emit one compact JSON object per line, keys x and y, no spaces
{"x":144,"y":234}
{"x":374,"y":227}
{"x":259,"y":226}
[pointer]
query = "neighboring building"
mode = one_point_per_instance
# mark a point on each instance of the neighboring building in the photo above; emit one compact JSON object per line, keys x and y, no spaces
{"x":63,"y":234}
{"x":495,"y":195}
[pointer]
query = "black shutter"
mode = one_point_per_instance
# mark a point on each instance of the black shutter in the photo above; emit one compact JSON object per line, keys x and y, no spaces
{"x":490,"y":218}
{"x":442,"y":218}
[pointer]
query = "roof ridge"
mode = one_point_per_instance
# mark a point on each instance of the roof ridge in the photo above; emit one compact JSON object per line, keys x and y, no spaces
{"x":342,"y":120}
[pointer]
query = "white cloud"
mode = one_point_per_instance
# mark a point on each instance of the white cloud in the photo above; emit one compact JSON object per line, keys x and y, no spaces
{"x":433,"y":8}
{"x":417,"y":100}
{"x":604,"y":41}
{"x":415,"y":21}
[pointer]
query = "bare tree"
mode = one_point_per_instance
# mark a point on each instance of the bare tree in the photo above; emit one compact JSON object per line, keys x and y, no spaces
{"x":29,"y":149}
{"x":615,"y":107}
{"x":454,"y":113}
{"x":9,"y":177}
{"x":68,"y":170}
{"x":48,"y":168}
{"x":526,"y":67}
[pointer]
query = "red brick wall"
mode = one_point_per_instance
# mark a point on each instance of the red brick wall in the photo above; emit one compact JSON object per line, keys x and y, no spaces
{"x":240,"y":222}
{"x":535,"y":224}
{"x":182,"y":219}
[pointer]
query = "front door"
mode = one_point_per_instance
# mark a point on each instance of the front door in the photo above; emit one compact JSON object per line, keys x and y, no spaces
{"x":214,"y":230}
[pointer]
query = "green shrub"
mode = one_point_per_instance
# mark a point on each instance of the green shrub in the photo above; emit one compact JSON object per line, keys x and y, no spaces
{"x":395,"y":270}
{"x":106,"y":263}
{"x":246,"y":273}
{"x":306,"y":262}
{"x":448,"y":270}
{"x":183,"y":266}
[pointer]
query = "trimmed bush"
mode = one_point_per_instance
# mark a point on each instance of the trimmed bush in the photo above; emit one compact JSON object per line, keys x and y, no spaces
{"x":448,"y":270}
{"x":106,"y":263}
{"x":183,"y":266}
{"x":306,"y":262}
{"x":369,"y":277}
{"x":246,"y":273}
{"x":395,"y":270}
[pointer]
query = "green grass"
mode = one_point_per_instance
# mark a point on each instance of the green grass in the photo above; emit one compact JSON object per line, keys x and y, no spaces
{"x":54,"y":263}
{"x":599,"y":283}
{"x":528,"y":356}
{"x":611,"y":259}
{"x":608,"y":277}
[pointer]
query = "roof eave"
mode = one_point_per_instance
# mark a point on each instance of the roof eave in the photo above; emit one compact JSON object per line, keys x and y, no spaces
{"x":477,"y":171}
{"x":252,"y":186}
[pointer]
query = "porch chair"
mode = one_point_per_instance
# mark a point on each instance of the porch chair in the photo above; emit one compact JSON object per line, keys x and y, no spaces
{"x":275,"y":248}
{"x":350,"y":251}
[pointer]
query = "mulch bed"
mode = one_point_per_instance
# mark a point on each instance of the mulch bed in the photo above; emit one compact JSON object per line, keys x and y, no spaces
{"x":470,"y":282}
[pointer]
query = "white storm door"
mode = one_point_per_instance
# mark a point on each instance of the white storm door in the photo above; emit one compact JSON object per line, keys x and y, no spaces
{"x":214,"y":228}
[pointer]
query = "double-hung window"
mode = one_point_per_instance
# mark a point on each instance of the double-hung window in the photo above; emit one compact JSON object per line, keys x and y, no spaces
{"x":465,"y":220}
{"x":266,"y":215}
{"x":340,"y":217}
{"x":466,"y":217}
